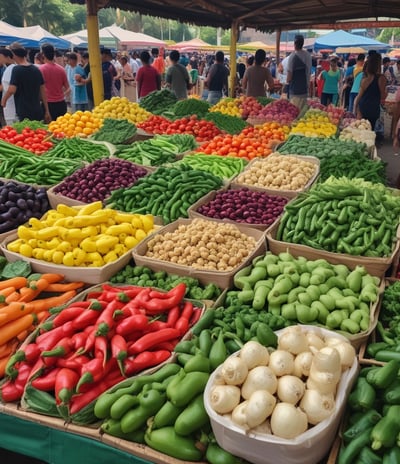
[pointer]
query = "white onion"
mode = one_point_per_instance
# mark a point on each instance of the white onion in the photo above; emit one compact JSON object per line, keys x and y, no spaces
{"x":315,"y":340}
{"x":317,"y":406}
{"x":326,"y":359}
{"x":293,"y":340}
{"x":288,"y":421}
{"x":254,"y":354}
{"x":324,"y":382}
{"x":347,"y":354}
{"x":281,"y":362}
{"x":259,"y":407}
{"x":302,"y":364}
{"x":290,"y":389}
{"x":224,"y":398}
{"x":239,"y":416}
{"x":234,"y":370}
{"x":259,"y":378}
{"x":264,"y":428}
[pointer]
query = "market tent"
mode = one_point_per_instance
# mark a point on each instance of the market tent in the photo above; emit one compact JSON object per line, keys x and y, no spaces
{"x":253,"y":46}
{"x":76,"y":40}
{"x":354,"y":50}
{"x":42,"y":36}
{"x":10,"y":34}
{"x":192,"y":45}
{"x":133,"y":39}
{"x":395,"y":53}
{"x":342,"y":38}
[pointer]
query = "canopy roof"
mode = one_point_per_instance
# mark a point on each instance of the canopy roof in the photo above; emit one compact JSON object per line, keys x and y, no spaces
{"x":265,"y":15}
{"x":345,"y":39}
{"x":190,"y":45}
{"x":30,"y":37}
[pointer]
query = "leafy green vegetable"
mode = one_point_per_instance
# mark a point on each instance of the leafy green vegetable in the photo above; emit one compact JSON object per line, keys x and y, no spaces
{"x":15,"y":269}
{"x":226,"y":122}
{"x":19,"y":125}
{"x":115,"y":131}
{"x":191,"y":106}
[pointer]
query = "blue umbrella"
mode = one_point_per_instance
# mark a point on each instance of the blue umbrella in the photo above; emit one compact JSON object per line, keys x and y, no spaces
{"x":342,"y":38}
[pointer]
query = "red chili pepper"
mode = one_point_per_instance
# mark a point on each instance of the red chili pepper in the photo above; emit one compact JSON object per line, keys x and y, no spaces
{"x":182,"y":325}
{"x":173,"y":316}
{"x":160,"y":305}
{"x":89,"y":344}
{"x":9,"y":392}
{"x":47,"y":380}
{"x":78,"y":340}
{"x":153,"y":338}
{"x":73,"y":362}
{"x":170,"y":345}
{"x":88,"y":317}
{"x":130,"y":290}
{"x":48,"y":340}
{"x":187,"y":310}
{"x":62,"y":348}
{"x":101,"y":348}
{"x":91,"y":372}
{"x":119,"y":350}
{"x":24,"y":371}
{"x":195,"y":316}
{"x":132,"y":323}
{"x":67,"y":314}
{"x":106,"y":322}
{"x":155,"y":326}
{"x":65,"y":384}
{"x":122,"y":313}
{"x":80,"y":401}
{"x":145,"y":360}
{"x":30,"y":354}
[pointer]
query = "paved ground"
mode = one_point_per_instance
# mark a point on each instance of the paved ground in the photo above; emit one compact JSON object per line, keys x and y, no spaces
{"x":387,"y":154}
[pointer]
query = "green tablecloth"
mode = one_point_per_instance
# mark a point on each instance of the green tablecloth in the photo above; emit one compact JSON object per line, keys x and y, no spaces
{"x":56,"y":446}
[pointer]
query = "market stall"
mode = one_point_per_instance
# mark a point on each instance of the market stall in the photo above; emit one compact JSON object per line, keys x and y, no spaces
{"x":172,"y":237}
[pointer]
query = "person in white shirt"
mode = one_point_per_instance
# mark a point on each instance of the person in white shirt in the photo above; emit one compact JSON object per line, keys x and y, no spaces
{"x":6,"y":59}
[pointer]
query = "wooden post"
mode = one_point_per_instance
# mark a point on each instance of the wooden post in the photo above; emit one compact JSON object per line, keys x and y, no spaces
{"x":278,"y":45}
{"x":232,"y":60}
{"x":94,"y":52}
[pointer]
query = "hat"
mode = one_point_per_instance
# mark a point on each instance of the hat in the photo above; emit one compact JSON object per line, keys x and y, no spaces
{"x":105,"y":51}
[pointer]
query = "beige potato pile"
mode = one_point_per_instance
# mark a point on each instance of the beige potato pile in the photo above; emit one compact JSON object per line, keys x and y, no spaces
{"x":280,"y":172}
{"x":202,"y":244}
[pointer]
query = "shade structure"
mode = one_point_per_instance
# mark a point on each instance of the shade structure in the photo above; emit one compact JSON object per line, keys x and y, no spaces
{"x":395,"y":53}
{"x":192,"y":45}
{"x":43,"y":36}
{"x":133,"y":39}
{"x":342,"y":38}
{"x":10,"y":34}
{"x":350,"y":50}
{"x":253,"y":46}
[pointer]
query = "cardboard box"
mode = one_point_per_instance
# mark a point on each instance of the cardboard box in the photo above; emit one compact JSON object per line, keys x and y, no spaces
{"x":310,"y":447}
{"x":220,"y":278}
{"x":287,"y":193}
{"x":89,"y":275}
{"x":193,"y":210}
{"x":374,"y":266}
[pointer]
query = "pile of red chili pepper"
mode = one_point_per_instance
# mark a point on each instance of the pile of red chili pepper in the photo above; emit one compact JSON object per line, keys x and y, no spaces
{"x":93,"y":344}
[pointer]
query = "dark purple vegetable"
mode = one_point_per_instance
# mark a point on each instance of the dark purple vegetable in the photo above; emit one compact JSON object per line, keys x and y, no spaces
{"x":20,"y":202}
{"x":245,"y":206}
{"x":96,"y":181}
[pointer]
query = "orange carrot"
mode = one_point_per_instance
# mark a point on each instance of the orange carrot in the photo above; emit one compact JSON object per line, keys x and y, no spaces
{"x":16,"y":309}
{"x":43,"y":304}
{"x":3,"y":364}
{"x":5,"y":292}
{"x":8,"y":348}
{"x":22,"y":335}
{"x":14,"y":296}
{"x":13,"y":328}
{"x":44,"y":280}
{"x":60,"y":287}
{"x":16,"y":282}
{"x":42,"y":315}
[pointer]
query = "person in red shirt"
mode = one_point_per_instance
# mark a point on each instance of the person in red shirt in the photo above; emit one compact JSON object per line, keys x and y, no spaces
{"x":55,"y":81}
{"x":148,"y":79}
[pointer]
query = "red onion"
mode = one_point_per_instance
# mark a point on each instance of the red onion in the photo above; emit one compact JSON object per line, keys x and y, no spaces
{"x":96,"y":181}
{"x":245,"y":206}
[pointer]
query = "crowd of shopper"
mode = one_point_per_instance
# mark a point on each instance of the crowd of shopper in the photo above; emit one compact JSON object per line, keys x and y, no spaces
{"x":48,"y":84}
